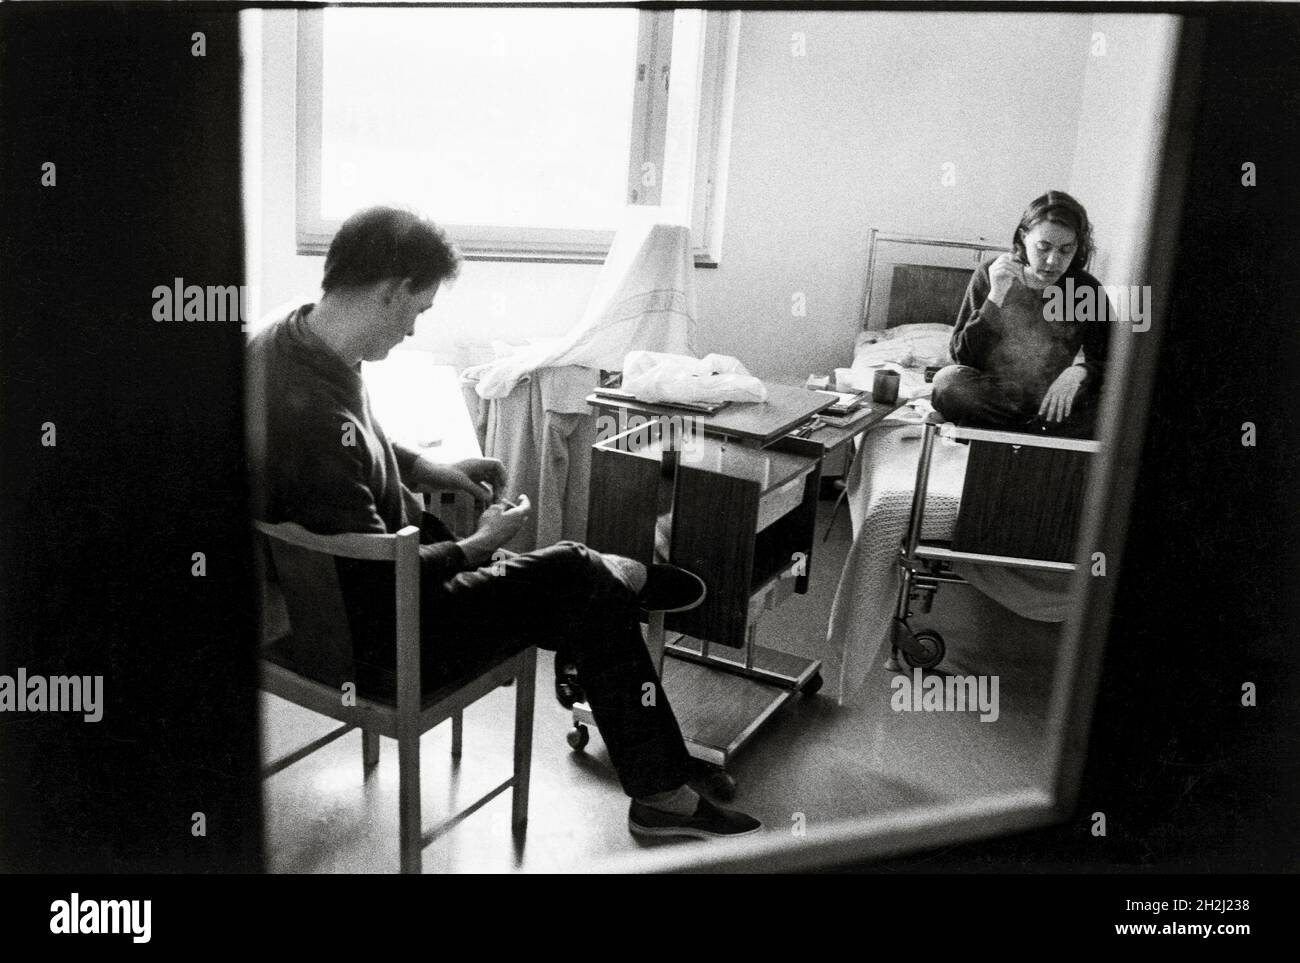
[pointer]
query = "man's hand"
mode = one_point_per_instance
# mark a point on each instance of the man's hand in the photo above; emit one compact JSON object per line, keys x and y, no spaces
{"x":496,"y":526}
{"x":472,"y":476}
{"x":1003,"y":273}
{"x":1060,"y":396}
{"x":480,"y":472}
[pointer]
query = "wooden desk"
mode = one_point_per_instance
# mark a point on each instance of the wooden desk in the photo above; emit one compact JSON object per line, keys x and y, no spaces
{"x":757,"y":423}
{"x":832,"y":437}
{"x":836,"y":438}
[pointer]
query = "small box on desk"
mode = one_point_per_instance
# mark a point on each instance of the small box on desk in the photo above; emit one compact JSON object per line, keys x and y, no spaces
{"x":742,"y":518}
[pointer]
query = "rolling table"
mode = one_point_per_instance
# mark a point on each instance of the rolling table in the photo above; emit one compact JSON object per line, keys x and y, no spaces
{"x":742,"y":513}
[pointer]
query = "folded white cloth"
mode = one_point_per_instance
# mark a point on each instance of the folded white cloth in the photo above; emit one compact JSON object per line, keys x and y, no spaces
{"x":655,"y":376}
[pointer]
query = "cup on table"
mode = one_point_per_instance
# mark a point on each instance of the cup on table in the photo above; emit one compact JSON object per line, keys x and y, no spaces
{"x":884,"y":388}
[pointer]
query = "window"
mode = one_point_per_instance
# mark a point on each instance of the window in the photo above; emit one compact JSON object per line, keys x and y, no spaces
{"x":525,"y":132}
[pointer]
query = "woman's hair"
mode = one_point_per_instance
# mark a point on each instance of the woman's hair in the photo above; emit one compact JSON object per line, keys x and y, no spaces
{"x":1059,"y":208}
{"x":383,"y":242}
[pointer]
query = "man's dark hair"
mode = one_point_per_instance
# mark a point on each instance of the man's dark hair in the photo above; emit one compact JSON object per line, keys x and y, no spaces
{"x":383,"y":242}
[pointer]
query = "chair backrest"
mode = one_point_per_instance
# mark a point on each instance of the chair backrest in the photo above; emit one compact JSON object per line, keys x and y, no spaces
{"x":320,"y":642}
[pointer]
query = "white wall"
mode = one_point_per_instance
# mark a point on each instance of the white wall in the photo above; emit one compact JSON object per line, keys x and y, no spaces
{"x":854,"y":135}
{"x":850,"y":136}
{"x":1122,"y":117}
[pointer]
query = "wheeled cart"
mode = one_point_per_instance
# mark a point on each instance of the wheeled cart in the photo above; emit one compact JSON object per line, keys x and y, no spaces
{"x":742,"y":518}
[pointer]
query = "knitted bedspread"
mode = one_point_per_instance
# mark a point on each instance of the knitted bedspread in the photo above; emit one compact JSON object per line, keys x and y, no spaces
{"x":880,"y":486}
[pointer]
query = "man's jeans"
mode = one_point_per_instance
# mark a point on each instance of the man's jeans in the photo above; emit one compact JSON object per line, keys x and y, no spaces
{"x":563,"y":597}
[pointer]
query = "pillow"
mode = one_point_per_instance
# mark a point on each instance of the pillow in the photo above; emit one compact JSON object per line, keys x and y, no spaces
{"x":909,"y":330}
{"x":927,"y":343}
{"x":880,"y":352}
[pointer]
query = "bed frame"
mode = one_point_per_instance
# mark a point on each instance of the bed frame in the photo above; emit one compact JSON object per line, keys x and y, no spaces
{"x":911,"y":278}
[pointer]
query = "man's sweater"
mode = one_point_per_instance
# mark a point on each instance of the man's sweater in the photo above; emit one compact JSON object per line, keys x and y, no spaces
{"x":319,"y":456}
{"x":1021,"y":340}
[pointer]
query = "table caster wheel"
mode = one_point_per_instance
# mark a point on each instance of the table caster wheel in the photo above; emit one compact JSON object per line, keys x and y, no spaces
{"x":813,"y":685}
{"x":927,"y":650}
{"x":719,"y":784}
{"x":578,"y":737}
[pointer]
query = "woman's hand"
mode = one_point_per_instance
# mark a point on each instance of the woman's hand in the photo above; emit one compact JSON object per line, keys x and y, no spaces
{"x":1060,"y":396}
{"x":1003,"y":272}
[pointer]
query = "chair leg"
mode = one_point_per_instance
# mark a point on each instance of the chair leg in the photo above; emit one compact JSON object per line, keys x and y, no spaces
{"x":524,"y":698}
{"x":457,"y":733}
{"x":369,"y":749}
{"x":408,"y":792}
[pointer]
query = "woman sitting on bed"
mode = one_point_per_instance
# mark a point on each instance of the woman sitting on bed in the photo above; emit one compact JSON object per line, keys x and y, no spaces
{"x":1018,"y":333}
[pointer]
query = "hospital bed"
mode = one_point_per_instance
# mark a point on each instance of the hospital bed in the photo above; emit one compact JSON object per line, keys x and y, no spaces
{"x":933,"y":504}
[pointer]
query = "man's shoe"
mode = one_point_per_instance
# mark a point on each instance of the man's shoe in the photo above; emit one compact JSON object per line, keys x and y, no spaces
{"x":670,"y":589}
{"x":707,"y":822}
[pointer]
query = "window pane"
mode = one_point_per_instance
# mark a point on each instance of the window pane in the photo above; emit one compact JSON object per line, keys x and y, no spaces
{"x":683,"y":113}
{"x":509,"y":118}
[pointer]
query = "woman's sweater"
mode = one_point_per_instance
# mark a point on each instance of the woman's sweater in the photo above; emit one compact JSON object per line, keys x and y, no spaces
{"x":1026,"y":340}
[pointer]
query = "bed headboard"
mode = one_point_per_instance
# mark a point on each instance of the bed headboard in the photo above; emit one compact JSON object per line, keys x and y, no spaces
{"x":914,"y":279}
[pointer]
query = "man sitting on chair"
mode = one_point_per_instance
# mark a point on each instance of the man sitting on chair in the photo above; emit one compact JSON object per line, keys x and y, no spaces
{"x":326,"y":464}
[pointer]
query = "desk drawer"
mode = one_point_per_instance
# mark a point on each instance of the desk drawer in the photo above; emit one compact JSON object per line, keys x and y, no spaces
{"x":781,"y":501}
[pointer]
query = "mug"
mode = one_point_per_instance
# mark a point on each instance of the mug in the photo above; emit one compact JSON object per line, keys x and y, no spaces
{"x":884,"y":389}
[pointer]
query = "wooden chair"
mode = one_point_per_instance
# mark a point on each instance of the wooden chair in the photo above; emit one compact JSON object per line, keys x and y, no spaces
{"x":310,"y":665}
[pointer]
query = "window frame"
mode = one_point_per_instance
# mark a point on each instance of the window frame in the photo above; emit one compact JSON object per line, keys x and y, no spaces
{"x":647,"y":145}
